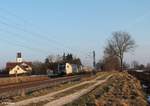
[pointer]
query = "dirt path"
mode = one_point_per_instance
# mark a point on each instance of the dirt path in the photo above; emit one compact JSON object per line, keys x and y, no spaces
{"x":62,"y":100}
{"x":70,"y":98}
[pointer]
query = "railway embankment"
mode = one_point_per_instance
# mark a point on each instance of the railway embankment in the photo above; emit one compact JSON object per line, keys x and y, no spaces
{"x":121,"y":89}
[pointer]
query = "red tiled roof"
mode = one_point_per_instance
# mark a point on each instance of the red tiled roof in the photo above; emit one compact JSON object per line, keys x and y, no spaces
{"x":11,"y":65}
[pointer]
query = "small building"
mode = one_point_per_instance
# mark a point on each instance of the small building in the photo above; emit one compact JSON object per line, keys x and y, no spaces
{"x":19,"y":67}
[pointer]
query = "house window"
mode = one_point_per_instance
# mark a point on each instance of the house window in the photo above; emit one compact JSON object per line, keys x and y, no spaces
{"x":18,"y":68}
{"x":67,"y":66}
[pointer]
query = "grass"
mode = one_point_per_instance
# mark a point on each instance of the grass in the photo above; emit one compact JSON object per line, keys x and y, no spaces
{"x":49,"y":90}
{"x":20,"y":79}
{"x":57,"y":96}
{"x":103,"y":75}
{"x":44,"y":91}
{"x":121,"y":89}
{"x":88,"y":99}
{"x":41,"y":103}
{"x":76,"y":89}
{"x":57,"y":88}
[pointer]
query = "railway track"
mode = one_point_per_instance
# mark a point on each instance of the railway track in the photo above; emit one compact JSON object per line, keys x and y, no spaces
{"x":28,"y":83}
{"x":26,"y":87}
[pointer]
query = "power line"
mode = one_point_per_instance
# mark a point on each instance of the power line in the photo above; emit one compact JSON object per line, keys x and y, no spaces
{"x":20,"y":45}
{"x":33,"y":33}
{"x":29,"y":22}
{"x":16,"y":35}
{"x":29,"y":48}
{"x":24,"y":30}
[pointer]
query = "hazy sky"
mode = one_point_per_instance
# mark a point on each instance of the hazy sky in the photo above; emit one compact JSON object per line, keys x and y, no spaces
{"x":38,"y":28}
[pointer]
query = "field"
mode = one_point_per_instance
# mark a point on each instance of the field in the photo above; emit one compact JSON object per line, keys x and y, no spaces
{"x":13,"y":80}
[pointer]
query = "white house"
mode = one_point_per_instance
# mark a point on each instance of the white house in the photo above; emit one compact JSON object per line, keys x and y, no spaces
{"x":19,"y":67}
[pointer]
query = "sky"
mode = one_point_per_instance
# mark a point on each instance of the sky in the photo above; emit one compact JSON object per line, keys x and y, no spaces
{"x":39,"y":28}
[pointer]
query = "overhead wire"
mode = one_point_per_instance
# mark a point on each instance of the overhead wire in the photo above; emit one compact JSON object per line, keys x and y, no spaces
{"x":46,"y":38}
{"x":18,"y":44}
{"x":38,"y":34}
{"x":24,"y":30}
{"x":31,"y":32}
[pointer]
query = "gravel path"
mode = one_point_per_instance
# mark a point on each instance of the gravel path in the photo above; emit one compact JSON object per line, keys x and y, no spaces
{"x":46,"y":97}
{"x":63,"y":100}
{"x":70,"y":98}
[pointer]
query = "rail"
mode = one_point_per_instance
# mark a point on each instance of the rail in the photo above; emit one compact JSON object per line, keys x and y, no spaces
{"x":27,"y":87}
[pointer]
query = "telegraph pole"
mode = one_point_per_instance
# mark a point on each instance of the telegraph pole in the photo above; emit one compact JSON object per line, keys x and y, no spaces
{"x":94,"y":62}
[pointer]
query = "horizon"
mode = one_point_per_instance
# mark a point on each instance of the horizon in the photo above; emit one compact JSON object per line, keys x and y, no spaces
{"x":38,"y":29}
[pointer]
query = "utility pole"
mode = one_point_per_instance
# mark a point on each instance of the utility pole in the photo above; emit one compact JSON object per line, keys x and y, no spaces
{"x":58,"y":68}
{"x":16,"y":76}
{"x":94,"y":63}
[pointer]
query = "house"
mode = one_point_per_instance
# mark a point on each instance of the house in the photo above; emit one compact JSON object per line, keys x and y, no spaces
{"x":19,"y":67}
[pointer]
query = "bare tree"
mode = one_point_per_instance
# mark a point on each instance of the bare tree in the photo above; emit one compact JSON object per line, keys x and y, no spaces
{"x":111,"y":63}
{"x":119,"y":44}
{"x":39,"y":68}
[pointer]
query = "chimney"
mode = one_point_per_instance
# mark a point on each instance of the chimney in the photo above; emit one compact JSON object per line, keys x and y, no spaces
{"x":19,"y":57}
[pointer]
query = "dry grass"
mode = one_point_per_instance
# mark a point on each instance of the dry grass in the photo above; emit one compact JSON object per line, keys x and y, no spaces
{"x":12,"y":80}
{"x":71,"y":91}
{"x":44,"y":91}
{"x":37,"y":104}
{"x":120,"y":90}
{"x":58,"y":88}
{"x":48,"y":90}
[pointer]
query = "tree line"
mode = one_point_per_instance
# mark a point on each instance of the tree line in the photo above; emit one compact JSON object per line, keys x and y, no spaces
{"x":52,"y":61}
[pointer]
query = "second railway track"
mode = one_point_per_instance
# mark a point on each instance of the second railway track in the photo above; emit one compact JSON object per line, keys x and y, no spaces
{"x":26,"y":87}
